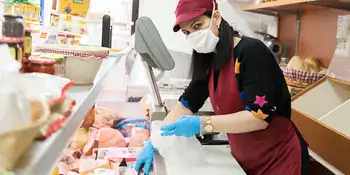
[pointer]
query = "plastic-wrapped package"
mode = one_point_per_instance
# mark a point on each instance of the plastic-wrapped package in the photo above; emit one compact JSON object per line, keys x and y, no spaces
{"x":105,"y":117}
{"x":178,"y":152}
{"x":51,"y":88}
{"x":126,"y":127}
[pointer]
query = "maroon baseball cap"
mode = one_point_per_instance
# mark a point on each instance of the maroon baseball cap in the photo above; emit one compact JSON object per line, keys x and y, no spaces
{"x":190,"y":9}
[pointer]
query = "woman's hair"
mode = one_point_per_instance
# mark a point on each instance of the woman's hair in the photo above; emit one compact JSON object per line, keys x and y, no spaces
{"x":201,"y":62}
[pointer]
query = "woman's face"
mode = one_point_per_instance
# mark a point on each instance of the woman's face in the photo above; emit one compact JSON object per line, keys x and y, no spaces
{"x":200,"y":23}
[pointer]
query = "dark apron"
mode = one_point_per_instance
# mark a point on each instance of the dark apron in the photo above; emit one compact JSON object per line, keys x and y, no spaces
{"x":277,"y":150}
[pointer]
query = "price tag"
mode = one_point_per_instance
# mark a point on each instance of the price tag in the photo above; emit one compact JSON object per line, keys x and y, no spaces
{"x":68,"y":18}
{"x":43,"y":35}
{"x":27,"y":25}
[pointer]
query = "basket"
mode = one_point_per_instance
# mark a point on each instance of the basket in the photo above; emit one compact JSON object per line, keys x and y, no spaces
{"x":300,"y":79}
{"x":15,"y":143}
{"x":82,"y":63}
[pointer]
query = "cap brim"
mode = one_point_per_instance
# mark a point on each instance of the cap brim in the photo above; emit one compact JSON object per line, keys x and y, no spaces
{"x":187,"y":16}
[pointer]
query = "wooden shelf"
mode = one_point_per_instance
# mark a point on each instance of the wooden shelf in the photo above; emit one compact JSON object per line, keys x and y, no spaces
{"x":293,"y":6}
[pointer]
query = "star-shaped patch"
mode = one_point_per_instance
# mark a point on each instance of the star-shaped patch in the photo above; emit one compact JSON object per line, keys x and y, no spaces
{"x":260,"y":100}
{"x":259,"y":114}
{"x":237,"y":67}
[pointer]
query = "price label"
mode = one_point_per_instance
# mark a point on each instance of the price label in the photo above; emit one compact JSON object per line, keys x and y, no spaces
{"x":68,"y":18}
{"x":27,"y":25}
{"x":43,"y":35}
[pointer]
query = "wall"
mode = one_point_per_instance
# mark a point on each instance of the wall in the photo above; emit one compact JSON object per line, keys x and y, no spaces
{"x":164,"y":20}
{"x":317,"y":34}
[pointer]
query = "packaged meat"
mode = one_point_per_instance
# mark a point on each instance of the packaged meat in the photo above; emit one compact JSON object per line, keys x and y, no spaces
{"x":80,"y":139}
{"x":126,"y":126}
{"x":104,"y":117}
{"x":140,"y":136}
{"x":116,"y":155}
{"x":109,"y":137}
{"x":63,"y":168}
{"x":89,"y":165}
{"x":89,"y":146}
{"x":72,"y":159}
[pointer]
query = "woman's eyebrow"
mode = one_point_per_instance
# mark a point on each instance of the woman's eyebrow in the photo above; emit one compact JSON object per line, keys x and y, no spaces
{"x":194,"y":22}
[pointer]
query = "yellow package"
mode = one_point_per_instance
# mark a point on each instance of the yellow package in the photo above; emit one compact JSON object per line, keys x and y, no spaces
{"x":74,"y":7}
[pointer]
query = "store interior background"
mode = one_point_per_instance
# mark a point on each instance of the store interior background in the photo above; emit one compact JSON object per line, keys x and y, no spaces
{"x":163,"y":18}
{"x":314,"y":24}
{"x":317,"y":39}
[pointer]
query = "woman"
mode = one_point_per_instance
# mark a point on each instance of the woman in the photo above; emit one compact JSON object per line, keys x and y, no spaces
{"x":247,"y":91}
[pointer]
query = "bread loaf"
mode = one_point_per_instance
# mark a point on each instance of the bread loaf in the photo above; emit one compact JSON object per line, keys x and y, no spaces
{"x":312,"y":65}
{"x":298,"y":64}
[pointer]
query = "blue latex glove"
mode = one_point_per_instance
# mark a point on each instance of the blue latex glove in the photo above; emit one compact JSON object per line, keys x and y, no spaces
{"x":145,"y":157}
{"x":187,"y":126}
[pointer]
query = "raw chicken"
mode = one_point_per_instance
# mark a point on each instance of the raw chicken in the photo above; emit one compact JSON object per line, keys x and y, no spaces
{"x":104,"y":117}
{"x":140,"y":137}
{"x":109,"y":137}
{"x":88,"y":148}
{"x":81,"y":137}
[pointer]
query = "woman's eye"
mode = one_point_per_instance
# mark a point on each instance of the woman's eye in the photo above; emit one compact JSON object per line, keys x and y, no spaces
{"x":197,"y":26}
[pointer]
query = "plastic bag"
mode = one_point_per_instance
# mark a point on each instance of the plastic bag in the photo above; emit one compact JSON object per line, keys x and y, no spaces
{"x":14,"y":110}
{"x":8,"y":63}
{"x":18,"y":91}
{"x":178,"y":152}
{"x":37,"y":85}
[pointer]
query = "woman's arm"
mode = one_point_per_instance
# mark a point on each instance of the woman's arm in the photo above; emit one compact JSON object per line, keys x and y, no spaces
{"x":175,"y":113}
{"x":191,"y":100}
{"x":240,"y":122}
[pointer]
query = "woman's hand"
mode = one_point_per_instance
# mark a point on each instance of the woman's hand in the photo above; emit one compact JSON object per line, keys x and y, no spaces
{"x":187,"y":126}
{"x":145,"y":157}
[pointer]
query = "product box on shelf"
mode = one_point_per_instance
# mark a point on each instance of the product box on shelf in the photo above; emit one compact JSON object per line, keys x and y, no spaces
{"x":321,"y":111}
{"x":74,"y":7}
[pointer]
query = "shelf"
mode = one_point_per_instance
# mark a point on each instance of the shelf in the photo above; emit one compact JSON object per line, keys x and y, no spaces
{"x":43,"y":156}
{"x":293,"y":6}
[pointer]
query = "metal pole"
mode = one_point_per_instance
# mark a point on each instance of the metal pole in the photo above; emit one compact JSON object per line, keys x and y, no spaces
{"x":297,"y":32}
{"x":153,"y":84}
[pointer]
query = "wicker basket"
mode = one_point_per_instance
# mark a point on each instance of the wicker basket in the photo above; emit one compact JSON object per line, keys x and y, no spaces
{"x":300,"y":79}
{"x":82,"y":63}
{"x":15,"y":143}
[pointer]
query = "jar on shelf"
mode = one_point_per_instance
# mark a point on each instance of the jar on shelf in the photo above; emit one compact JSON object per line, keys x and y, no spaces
{"x":27,"y":43}
{"x":15,"y":46}
{"x":41,"y":65}
{"x":13,"y":26}
{"x":60,"y":63}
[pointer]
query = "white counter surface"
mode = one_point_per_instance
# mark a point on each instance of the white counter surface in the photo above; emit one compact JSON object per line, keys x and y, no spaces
{"x":219,"y":160}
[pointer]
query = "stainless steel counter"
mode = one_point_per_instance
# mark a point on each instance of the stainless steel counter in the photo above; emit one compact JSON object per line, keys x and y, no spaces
{"x":219,"y":160}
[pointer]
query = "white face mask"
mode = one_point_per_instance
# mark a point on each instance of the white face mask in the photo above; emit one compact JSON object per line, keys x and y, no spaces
{"x":204,"y":41}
